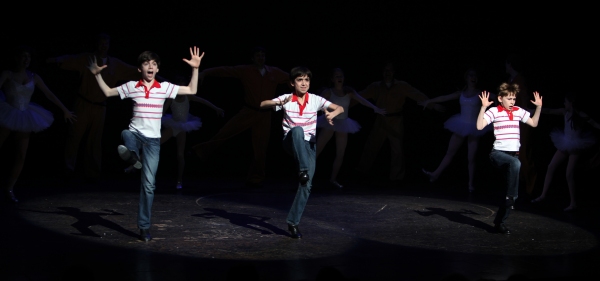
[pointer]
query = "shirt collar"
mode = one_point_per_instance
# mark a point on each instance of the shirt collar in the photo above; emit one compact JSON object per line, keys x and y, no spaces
{"x":509,"y":112}
{"x":301,"y":106}
{"x":147,"y":91}
{"x":501,"y":108}
{"x":295,"y":98}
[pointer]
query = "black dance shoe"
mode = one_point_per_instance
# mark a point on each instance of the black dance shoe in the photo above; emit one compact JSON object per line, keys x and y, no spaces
{"x":295,"y":231}
{"x":501,"y":228}
{"x":145,"y":235}
{"x":303,"y":177}
{"x":129,"y":157}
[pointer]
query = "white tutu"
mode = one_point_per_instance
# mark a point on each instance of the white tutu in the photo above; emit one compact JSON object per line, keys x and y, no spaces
{"x":33,"y":118}
{"x":192,"y":123}
{"x":346,"y":125}
{"x":459,"y":126}
{"x":574,"y":142}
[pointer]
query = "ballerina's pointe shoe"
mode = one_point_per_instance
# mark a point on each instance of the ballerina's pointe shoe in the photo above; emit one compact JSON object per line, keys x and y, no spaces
{"x":11,"y":197}
{"x":130,"y":169}
{"x":570,"y":208}
{"x":537,"y":200}
{"x":429,"y":175}
{"x":336,"y":184}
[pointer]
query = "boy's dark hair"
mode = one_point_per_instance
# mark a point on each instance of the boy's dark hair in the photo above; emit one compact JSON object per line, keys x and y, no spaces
{"x":507,"y":89}
{"x":300,"y":71}
{"x":148,"y":56}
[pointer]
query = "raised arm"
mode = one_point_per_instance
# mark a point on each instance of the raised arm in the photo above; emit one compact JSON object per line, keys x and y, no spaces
{"x":275,"y":102}
{"x":95,"y":69}
{"x":332,"y":111}
{"x":367,"y":103}
{"x":589,"y":119}
{"x":220,"y":112}
{"x":485,"y":102}
{"x":194,"y":62}
{"x":533,"y":121}
{"x":67,"y":114}
{"x":553,"y":111}
{"x":443,"y":98}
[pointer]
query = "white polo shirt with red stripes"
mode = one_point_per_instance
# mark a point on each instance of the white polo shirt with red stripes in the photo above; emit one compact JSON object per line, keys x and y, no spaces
{"x":304,"y":115}
{"x":147,"y":105}
{"x":506,"y":126}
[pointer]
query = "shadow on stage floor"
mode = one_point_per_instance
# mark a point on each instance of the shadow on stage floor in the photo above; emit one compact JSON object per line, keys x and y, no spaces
{"x":217,"y":229}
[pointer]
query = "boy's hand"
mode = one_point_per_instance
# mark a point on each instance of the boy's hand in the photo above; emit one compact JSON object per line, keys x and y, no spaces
{"x":538,"y":99}
{"x":196,"y":57}
{"x":485,"y":99}
{"x":286,"y":100}
{"x":93,"y":65}
{"x":329,"y":117}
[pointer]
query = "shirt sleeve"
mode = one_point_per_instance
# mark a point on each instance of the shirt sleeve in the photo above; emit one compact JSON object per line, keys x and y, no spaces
{"x":171,"y":89}
{"x":526,"y":115}
{"x":73,"y":62}
{"x":281,"y":76}
{"x":225,"y":71}
{"x":488,"y":116}
{"x":324,"y":104}
{"x":279,"y":99}
{"x":415,"y":94}
{"x":125,"y":89}
{"x":369,"y":92}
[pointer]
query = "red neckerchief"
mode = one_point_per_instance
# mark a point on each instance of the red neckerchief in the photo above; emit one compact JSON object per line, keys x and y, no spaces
{"x":146,"y":90}
{"x":509,"y":112}
{"x":302,"y":106}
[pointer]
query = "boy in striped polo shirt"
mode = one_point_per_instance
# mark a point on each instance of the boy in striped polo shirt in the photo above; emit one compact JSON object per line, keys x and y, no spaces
{"x":148,"y":97}
{"x":505,"y":153}
{"x":300,"y":110}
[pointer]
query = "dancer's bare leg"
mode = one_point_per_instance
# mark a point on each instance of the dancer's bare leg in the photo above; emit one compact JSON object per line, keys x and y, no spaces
{"x":453,"y":146}
{"x":324,"y":136}
{"x":181,"y":137}
{"x":571,"y":165}
{"x":472,"y":144}
{"x":557,"y":159}
{"x":165,"y":134}
{"x":341,"y":140}
{"x":22,"y":143}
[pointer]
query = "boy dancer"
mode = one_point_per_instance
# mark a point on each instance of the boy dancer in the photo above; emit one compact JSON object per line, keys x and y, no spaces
{"x":300,"y":110}
{"x":144,"y":129}
{"x":505,"y":153}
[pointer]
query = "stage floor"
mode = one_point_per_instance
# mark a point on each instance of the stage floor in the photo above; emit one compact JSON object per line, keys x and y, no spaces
{"x":213,"y":227}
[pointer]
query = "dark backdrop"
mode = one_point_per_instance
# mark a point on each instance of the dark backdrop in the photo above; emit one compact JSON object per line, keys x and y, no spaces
{"x":431,"y":45}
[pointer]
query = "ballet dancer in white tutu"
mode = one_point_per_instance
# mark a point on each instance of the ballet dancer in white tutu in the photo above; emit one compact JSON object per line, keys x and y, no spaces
{"x":462,"y":125}
{"x":21,"y":117}
{"x":576,"y":137}
{"x":341,"y":95}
